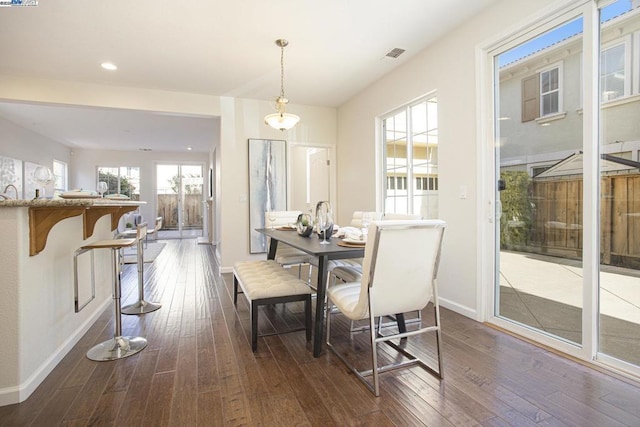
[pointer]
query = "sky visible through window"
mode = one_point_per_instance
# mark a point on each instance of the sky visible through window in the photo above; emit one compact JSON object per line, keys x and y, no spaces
{"x":560,"y":33}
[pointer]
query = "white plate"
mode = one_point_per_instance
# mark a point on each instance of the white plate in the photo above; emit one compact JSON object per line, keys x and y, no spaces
{"x":79,"y":195}
{"x":355,"y":241}
{"x":117,"y":197}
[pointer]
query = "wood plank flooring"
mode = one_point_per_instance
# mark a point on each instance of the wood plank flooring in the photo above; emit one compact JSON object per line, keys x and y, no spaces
{"x":198,"y":369}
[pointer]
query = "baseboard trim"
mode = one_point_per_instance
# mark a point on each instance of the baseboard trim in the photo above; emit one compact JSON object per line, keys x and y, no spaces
{"x":20,"y":393}
{"x":458,"y":308}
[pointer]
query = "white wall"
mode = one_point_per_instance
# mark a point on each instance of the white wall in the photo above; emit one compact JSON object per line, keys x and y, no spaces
{"x":84,"y":164}
{"x":447,"y":68}
{"x":22,"y":144}
{"x":241,"y":119}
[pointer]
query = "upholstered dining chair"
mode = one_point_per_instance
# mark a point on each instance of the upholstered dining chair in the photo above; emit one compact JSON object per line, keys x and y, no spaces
{"x":288,"y":256}
{"x":400,"y":268}
{"x":350,"y":270}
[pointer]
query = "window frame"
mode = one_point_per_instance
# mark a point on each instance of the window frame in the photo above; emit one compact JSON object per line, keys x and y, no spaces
{"x":559,"y":90}
{"x":406,"y":183}
{"x":626,"y":42}
{"x":119,"y":178}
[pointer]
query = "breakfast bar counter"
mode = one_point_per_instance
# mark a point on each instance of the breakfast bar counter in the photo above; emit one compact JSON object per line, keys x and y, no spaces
{"x":38,"y":324}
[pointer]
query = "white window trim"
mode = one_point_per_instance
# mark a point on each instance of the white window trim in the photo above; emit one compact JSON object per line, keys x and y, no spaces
{"x":626,"y":42}
{"x":636,"y":63}
{"x":560,"y":67}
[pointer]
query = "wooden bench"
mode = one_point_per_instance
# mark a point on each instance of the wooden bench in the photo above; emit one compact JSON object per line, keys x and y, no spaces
{"x":265,"y":283}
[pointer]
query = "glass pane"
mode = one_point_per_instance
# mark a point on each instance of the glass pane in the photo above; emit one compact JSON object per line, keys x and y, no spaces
{"x":619,"y":328}
{"x":130,"y":182}
{"x":167,"y":189}
{"x":425,"y":157}
{"x":539,"y":259}
{"x":396,"y":199}
{"x":111,"y":177}
{"x":192,"y":184}
{"x":612,"y":72}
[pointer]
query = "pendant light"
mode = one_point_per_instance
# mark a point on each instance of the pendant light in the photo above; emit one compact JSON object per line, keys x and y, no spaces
{"x":281,"y":120}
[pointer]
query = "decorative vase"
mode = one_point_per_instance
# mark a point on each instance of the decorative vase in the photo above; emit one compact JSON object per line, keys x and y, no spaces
{"x":304,"y":225}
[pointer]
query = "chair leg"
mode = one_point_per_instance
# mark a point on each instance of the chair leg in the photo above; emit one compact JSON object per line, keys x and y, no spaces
{"x":307,"y":315}
{"x":254,"y":326}
{"x":374,"y":353}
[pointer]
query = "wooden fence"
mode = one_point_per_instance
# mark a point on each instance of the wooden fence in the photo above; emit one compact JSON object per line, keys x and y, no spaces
{"x":557,"y":220}
{"x":168,"y":209}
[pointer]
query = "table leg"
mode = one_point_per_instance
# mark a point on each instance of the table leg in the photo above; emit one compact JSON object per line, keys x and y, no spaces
{"x":273,"y":245}
{"x":318,"y":335}
{"x":402,"y":326}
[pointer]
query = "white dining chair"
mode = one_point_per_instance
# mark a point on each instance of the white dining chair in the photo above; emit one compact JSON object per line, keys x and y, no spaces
{"x":349,"y":270}
{"x":400,"y":269}
{"x":399,"y":217}
{"x":288,"y":256}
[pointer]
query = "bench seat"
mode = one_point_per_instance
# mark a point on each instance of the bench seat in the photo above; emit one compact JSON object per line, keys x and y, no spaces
{"x":266,"y":283}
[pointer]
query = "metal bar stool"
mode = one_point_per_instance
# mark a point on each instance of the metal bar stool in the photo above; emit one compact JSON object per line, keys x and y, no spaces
{"x":119,"y":346}
{"x":141,"y":306}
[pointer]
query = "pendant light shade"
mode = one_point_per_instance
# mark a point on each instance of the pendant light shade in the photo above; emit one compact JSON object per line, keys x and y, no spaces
{"x":281,"y":120}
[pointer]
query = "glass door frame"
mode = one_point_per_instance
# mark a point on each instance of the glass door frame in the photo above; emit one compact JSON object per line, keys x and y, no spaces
{"x":488,"y":202}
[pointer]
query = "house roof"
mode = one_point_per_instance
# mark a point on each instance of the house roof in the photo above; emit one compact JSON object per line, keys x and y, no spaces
{"x":571,"y":166}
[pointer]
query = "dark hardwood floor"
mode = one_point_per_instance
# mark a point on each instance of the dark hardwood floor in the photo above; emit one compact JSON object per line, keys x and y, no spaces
{"x":198,"y":369}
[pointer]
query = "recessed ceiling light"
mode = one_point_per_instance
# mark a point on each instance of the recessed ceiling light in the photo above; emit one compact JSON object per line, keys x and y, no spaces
{"x":189,"y":148}
{"x":109,"y":66}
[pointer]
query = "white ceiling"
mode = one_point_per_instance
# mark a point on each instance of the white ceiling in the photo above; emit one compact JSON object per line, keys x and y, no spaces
{"x":336,"y":49}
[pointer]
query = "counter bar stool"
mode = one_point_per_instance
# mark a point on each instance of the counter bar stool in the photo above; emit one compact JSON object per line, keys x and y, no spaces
{"x":117,"y":347}
{"x":141,"y":306}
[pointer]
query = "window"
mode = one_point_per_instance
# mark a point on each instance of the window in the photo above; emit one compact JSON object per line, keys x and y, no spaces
{"x":541,"y":93}
{"x":410,"y":147}
{"x":427,"y":183}
{"x":60,"y":175}
{"x":614,"y":72}
{"x":121,"y":180}
{"x":550,"y":91}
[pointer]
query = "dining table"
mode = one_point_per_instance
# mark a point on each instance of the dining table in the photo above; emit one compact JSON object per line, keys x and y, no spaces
{"x":324,"y":253}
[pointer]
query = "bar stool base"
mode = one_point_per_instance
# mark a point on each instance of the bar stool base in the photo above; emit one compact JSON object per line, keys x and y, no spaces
{"x":140,"y":307}
{"x":116,"y":348}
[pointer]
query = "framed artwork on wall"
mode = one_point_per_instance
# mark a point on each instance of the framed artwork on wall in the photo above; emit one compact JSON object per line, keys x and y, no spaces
{"x":11,"y":174}
{"x":267,"y":185}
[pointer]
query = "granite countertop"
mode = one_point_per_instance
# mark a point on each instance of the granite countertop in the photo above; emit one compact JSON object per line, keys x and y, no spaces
{"x":66,"y":203}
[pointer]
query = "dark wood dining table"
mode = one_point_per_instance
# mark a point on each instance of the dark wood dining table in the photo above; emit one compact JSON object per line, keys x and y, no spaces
{"x":324,"y":253}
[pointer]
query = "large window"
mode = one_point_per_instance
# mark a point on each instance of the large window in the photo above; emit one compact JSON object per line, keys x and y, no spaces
{"x":410,"y":149}
{"x":121,"y":180}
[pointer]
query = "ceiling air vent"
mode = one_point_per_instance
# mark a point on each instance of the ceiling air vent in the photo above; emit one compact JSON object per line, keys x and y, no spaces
{"x":395,"y":52}
{"x":145,"y":149}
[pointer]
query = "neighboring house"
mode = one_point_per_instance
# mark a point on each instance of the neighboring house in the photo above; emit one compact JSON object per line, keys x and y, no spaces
{"x":541,"y":99}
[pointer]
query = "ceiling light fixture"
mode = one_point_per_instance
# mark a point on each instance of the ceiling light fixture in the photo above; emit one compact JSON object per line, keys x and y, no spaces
{"x":109,"y":66}
{"x":281,"y":120}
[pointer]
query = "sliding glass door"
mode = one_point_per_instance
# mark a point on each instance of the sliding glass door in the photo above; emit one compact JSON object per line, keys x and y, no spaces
{"x":180,"y":200}
{"x":619,"y":290}
{"x":539,"y":175}
{"x":567,"y":183}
